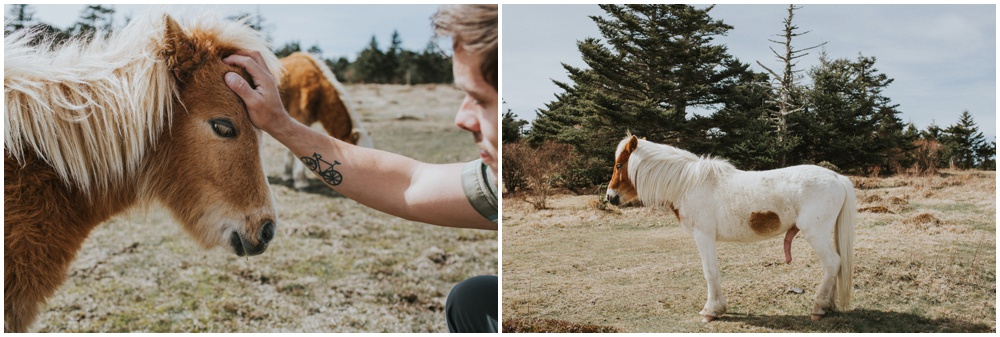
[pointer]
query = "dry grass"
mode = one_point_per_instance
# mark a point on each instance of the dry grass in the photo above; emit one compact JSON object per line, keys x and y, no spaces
{"x":927,"y":265}
{"x":334,"y":266}
{"x":552,"y":325}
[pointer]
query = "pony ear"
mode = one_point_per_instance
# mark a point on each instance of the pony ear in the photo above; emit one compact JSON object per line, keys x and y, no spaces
{"x":179,"y":50}
{"x":633,"y":142}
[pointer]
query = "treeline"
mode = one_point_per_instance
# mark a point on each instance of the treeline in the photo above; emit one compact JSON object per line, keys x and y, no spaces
{"x":655,"y":62}
{"x":393,"y":65}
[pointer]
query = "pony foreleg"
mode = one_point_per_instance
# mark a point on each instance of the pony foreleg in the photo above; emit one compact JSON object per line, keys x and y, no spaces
{"x":34,"y":268}
{"x":715,"y":306}
{"x":296,"y":171}
{"x":289,"y":166}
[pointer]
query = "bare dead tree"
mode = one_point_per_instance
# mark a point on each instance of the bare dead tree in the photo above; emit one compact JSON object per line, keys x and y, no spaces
{"x":784,"y":84}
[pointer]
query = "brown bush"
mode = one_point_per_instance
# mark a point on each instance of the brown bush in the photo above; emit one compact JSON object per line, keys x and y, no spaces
{"x":513,"y":169}
{"x":925,"y":157}
{"x":541,"y":168}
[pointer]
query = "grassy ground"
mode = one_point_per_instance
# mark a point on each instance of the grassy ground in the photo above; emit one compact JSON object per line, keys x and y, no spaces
{"x":925,"y":262}
{"x":334,"y":266}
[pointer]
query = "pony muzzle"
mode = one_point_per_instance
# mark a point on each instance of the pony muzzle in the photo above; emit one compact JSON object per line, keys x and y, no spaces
{"x":244,"y":248}
{"x":613,"y":198}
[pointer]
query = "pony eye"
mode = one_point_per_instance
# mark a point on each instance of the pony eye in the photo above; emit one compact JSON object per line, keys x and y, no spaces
{"x":224,"y":128}
{"x":618,"y":166}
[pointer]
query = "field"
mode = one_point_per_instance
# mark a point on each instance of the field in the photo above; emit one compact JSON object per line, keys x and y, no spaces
{"x":334,"y":265}
{"x":925,"y":259}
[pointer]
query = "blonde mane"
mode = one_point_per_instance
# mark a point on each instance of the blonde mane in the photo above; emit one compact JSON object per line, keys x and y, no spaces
{"x":94,"y":109}
{"x":662,"y":173}
{"x":355,"y":120}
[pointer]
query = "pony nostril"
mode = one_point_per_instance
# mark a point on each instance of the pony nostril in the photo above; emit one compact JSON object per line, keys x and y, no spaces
{"x":267,"y":231}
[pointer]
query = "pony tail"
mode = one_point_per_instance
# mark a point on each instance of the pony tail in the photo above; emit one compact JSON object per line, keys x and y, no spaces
{"x":843,"y":239}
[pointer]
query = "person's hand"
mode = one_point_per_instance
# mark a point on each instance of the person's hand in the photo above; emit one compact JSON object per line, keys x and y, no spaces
{"x":263,"y":102}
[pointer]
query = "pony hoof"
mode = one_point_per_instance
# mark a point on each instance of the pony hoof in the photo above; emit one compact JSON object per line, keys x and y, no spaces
{"x":708,"y":318}
{"x":815,"y":317}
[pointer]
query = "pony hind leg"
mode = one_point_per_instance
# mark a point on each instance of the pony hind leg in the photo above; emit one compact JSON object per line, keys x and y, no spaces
{"x":830,"y":262}
{"x":715,"y":306}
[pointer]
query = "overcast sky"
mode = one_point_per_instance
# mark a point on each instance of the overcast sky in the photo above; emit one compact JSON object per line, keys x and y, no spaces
{"x":942,"y":57}
{"x":339,"y":30}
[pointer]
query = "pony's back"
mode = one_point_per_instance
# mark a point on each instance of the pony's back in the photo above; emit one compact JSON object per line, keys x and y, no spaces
{"x":312,"y":92}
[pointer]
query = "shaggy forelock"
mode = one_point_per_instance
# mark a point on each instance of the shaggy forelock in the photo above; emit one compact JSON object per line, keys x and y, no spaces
{"x":93,"y":109}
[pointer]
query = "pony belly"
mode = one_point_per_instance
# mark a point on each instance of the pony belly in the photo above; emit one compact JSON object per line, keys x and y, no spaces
{"x":753,"y":231}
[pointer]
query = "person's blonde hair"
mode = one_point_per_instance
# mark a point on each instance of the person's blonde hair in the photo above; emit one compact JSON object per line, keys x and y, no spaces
{"x":475,"y":29}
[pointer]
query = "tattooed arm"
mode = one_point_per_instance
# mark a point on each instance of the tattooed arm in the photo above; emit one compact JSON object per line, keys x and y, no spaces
{"x":391,"y":183}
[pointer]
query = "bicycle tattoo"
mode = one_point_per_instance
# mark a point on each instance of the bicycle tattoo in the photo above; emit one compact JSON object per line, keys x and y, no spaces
{"x":329,"y":175}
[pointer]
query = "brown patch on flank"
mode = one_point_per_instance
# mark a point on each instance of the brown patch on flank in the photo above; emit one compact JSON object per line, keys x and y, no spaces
{"x":676,"y":212}
{"x":764,"y":222}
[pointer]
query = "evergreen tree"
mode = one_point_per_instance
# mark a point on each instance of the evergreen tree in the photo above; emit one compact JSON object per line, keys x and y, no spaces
{"x":254,"y":21}
{"x":965,"y":142}
{"x":742,"y":131}
{"x":654,"y":62}
{"x":850,"y":123}
{"x":21,"y":16}
{"x":512,"y":127}
{"x":933,"y":131}
{"x":392,"y":70}
{"x":368,"y":67}
{"x":339,"y":67}
{"x":315,"y":50}
{"x":987,"y":156}
{"x":288,"y":49}
{"x":94,"y":18}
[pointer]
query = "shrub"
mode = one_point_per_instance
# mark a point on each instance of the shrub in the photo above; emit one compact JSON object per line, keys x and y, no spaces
{"x":540,"y":169}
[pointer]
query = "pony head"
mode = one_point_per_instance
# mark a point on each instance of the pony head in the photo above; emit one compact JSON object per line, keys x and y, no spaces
{"x":360,"y":137}
{"x":207,"y":169}
{"x":621,"y":189}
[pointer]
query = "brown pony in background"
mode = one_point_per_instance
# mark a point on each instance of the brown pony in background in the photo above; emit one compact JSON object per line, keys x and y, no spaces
{"x":312,"y":93}
{"x":141,"y":117}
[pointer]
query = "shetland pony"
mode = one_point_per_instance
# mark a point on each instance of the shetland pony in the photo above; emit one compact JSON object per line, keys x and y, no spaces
{"x":713,"y":201}
{"x":94,"y":128}
{"x":312,"y":93}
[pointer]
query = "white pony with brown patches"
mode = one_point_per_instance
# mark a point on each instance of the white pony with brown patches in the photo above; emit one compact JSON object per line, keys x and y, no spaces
{"x":714,"y":201}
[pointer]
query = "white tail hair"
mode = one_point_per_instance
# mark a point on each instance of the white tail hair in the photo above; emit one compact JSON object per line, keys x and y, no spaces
{"x":844,"y":241}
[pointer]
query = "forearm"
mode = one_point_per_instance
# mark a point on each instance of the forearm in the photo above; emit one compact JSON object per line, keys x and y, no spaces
{"x":387,"y":182}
